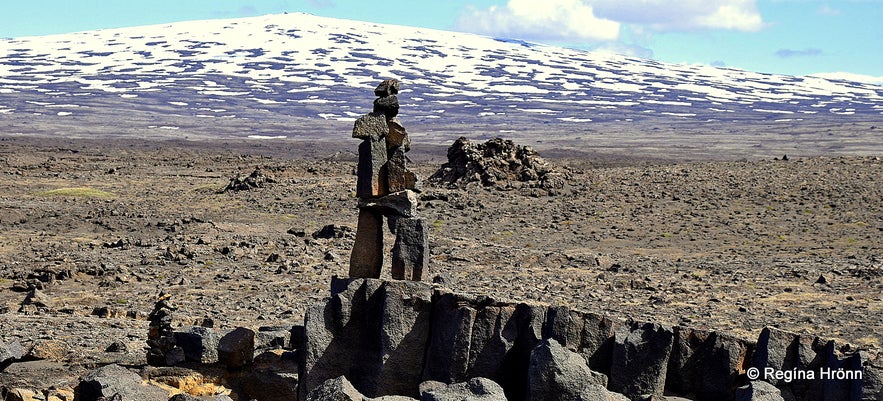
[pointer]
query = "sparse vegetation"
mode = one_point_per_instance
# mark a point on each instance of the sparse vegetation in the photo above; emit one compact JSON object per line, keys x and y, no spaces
{"x":599,"y":246}
{"x":78,"y":192}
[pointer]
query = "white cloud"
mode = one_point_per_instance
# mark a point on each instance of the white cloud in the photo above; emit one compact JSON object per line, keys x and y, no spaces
{"x":548,"y":20}
{"x":602,"y":20}
{"x":829,"y":11}
{"x":682,"y":15}
{"x":789,"y":53}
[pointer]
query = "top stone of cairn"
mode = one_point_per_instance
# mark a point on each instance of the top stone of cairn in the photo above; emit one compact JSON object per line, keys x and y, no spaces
{"x":388,"y":87}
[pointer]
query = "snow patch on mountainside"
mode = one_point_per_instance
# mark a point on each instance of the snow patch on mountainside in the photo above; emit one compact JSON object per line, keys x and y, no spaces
{"x":307,"y":66}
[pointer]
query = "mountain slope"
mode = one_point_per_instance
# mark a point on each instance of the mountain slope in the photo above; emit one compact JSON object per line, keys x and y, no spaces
{"x":264,"y":74}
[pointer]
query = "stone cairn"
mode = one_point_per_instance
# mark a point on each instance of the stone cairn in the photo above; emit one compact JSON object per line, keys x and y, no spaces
{"x":162,"y":347}
{"x":386,"y":188}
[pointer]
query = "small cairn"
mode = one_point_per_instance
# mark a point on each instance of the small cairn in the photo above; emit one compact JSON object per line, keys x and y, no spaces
{"x":386,"y":188}
{"x":162,"y":347}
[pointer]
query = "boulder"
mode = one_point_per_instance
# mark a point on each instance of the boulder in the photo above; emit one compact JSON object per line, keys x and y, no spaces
{"x":845,"y":388}
{"x":116,"y":381}
{"x":640,"y":359}
{"x":188,"y":397}
{"x":36,"y":301}
{"x":47,"y":349}
{"x":683,"y":364}
{"x":596,"y":392}
{"x":336,"y":389}
{"x":453,"y":317}
{"x":272,"y":337}
{"x":556,"y":373}
{"x":332,"y":231}
{"x":270,"y":384}
{"x":476,"y":389}
{"x":564,"y":327}
{"x":257,"y":179}
{"x":720,"y":362}
{"x":10,"y":353}
{"x":19,"y":394}
{"x":200,"y":344}
{"x":758,"y":391}
{"x":37,"y":375}
{"x":236,"y":348}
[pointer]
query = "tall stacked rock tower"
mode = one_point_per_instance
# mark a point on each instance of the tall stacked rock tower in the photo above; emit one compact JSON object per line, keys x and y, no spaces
{"x":386,"y":188}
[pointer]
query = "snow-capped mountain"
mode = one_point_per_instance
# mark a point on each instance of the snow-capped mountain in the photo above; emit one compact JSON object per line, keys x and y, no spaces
{"x":267,"y":75}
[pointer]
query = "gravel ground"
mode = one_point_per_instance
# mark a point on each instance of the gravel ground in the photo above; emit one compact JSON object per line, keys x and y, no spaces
{"x":100,"y":229}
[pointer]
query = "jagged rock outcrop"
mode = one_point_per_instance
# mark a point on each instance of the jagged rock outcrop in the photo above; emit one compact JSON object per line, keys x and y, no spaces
{"x":379,"y":333}
{"x":496,"y":163}
{"x":706,"y":363}
{"x":400,"y":340}
{"x":374,"y":332}
{"x":640,"y":360}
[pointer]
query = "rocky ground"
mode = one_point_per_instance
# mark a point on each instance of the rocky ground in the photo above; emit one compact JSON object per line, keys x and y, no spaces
{"x":92,"y":232}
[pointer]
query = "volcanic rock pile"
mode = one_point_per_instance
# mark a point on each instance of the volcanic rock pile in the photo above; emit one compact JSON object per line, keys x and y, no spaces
{"x":257,"y":179}
{"x":386,"y":188}
{"x":496,"y":163}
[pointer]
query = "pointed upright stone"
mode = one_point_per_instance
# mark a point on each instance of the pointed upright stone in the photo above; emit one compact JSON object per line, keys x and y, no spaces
{"x":399,"y":178}
{"x":410,"y":253}
{"x":372,"y":174}
{"x":366,"y":259}
{"x":398,"y":135}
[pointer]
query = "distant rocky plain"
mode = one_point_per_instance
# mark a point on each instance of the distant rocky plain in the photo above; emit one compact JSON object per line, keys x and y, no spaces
{"x":240,"y":232}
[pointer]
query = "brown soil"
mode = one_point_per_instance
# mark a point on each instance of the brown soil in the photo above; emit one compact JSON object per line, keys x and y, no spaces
{"x":101,"y":228}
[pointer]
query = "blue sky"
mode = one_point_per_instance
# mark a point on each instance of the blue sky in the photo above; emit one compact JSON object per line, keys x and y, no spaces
{"x":794,"y":37}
